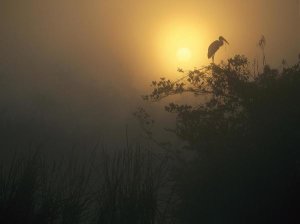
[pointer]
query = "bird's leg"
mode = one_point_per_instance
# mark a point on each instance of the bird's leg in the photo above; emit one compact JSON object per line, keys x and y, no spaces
{"x":213,"y":59}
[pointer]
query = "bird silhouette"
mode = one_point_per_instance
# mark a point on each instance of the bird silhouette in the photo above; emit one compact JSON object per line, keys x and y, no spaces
{"x":214,"y":47}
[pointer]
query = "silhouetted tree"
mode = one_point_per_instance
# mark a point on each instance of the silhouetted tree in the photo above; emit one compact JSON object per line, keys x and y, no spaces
{"x":246,"y":135}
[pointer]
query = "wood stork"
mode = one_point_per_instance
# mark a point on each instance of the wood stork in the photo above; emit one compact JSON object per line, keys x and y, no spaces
{"x":214,"y":47}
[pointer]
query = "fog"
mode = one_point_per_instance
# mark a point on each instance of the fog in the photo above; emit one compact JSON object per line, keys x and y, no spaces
{"x":78,"y":68}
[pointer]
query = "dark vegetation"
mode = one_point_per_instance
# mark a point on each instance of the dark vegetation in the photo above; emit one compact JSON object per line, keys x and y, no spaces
{"x":246,"y":166}
{"x":245,"y":136}
{"x":121,"y":187}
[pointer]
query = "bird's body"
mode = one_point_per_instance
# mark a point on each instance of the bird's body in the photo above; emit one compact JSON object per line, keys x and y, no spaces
{"x":214,"y":47}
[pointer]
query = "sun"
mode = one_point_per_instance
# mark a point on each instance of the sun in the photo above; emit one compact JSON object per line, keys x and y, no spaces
{"x":184,"y":54}
{"x":180,"y":44}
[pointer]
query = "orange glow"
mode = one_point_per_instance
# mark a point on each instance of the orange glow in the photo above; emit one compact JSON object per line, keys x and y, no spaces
{"x":184,"y":54}
{"x":181,"y":46}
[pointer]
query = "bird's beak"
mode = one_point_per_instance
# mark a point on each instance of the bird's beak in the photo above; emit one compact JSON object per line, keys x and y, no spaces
{"x":226,"y":41}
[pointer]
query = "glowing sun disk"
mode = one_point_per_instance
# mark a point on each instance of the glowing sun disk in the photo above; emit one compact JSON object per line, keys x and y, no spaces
{"x":180,"y":44}
{"x":184,"y":54}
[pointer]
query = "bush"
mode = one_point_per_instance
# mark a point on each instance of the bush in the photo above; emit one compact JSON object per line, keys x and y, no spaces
{"x":246,"y":138}
{"x":121,"y":188}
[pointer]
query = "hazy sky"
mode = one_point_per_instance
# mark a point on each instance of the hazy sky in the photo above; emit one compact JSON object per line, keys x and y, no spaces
{"x":86,"y":62}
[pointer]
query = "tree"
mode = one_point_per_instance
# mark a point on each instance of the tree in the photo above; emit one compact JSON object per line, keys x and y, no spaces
{"x":246,"y":137}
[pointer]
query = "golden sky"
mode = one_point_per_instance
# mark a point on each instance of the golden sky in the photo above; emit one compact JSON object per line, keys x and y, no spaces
{"x":145,"y":35}
{"x":107,"y":51}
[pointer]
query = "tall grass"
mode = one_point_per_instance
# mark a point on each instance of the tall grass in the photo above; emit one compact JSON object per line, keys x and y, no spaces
{"x":129,"y":192}
{"x":36,"y":191}
{"x":121,"y":187}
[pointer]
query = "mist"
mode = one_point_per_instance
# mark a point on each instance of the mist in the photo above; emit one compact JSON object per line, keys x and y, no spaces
{"x":130,"y":112}
{"x":79,"y":68}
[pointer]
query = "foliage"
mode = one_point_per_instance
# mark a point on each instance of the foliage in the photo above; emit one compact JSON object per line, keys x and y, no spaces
{"x":130,"y":190}
{"x":33,"y":191}
{"x":121,"y":188}
{"x":246,"y":135}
